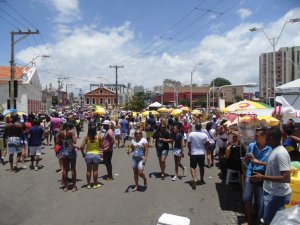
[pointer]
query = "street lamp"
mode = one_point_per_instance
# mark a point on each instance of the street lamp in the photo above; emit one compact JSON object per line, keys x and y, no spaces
{"x":191,"y":94}
{"x":233,"y":85}
{"x":273,"y":41}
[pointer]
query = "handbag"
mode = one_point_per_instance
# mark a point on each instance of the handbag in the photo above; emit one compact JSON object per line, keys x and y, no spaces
{"x":57,"y":148}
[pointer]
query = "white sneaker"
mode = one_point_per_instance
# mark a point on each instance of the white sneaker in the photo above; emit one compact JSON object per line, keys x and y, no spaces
{"x":174,"y":178}
{"x":184,"y":172}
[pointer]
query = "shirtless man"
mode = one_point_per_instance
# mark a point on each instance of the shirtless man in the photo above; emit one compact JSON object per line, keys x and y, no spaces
{"x":15,"y":140}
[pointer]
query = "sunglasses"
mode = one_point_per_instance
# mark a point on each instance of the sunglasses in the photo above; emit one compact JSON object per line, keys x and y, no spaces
{"x":137,"y":133}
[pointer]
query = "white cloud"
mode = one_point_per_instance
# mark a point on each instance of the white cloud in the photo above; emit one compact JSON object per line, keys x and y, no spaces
{"x":68,"y":10}
{"x":244,"y":13}
{"x":86,"y":53}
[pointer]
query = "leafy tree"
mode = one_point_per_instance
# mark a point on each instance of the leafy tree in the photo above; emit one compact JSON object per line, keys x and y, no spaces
{"x":219,"y":81}
{"x":138,"y":102}
{"x":54,"y":100}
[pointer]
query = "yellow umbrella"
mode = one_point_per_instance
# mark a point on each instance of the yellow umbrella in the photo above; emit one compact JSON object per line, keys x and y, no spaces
{"x":146,"y":113}
{"x":196,"y":112}
{"x":99,"y":110}
{"x":176,"y":112}
{"x":164,"y":110}
{"x":270,"y":120}
{"x":185,"y":109}
{"x":245,"y":105}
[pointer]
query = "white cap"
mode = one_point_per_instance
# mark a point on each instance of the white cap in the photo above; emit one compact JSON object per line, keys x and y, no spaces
{"x":214,"y":116}
{"x":106,"y":122}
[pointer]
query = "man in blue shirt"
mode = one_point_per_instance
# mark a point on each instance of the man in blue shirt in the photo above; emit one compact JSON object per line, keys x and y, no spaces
{"x":124,"y":129}
{"x":257,"y":156}
{"x":35,"y":143}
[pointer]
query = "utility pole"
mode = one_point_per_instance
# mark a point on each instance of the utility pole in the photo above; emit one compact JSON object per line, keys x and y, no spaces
{"x":12,"y":62}
{"x":68,"y":85}
{"x":116,"y":67}
{"x":60,"y":86}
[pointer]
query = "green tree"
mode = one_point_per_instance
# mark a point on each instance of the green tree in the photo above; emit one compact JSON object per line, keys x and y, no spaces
{"x":54,"y":100}
{"x":138,"y":102}
{"x":219,"y":81}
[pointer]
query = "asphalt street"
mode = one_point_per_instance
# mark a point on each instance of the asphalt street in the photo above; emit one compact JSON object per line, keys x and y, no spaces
{"x":36,"y":197}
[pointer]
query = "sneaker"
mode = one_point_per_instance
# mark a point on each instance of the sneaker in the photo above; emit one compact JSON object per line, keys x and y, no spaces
{"x":2,"y":161}
{"x":96,"y":186}
{"x":36,"y":168}
{"x":184,"y":172}
{"x":174,"y":178}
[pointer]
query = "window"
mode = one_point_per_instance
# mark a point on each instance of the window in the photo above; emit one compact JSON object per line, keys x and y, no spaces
{"x":101,"y":101}
{"x":87,"y":101}
{"x":93,"y":101}
{"x":115,"y":101}
{"x":108,"y":101}
{"x":101,"y":91}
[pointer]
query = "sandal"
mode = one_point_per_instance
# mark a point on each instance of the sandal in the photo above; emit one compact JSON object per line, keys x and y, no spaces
{"x":65,"y":189}
{"x":96,"y":186}
{"x":74,"y":189}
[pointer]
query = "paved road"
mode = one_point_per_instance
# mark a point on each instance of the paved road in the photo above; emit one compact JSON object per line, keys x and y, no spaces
{"x":30,"y":197}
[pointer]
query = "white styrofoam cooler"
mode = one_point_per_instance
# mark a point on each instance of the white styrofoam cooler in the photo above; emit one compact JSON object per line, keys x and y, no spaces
{"x":169,"y":219}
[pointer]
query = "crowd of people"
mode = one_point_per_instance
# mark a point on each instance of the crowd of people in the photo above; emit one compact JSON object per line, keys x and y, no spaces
{"x":265,"y":162}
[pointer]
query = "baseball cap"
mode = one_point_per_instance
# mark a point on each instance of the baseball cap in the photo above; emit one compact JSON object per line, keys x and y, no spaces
{"x":106,"y":122}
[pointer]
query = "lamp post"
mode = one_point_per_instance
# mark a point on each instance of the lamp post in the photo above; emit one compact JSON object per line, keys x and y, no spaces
{"x":233,"y":85}
{"x":273,"y":41}
{"x":191,"y":94}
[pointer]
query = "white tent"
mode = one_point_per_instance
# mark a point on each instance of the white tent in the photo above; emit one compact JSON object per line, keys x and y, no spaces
{"x":291,"y":87}
{"x":155,"y":105}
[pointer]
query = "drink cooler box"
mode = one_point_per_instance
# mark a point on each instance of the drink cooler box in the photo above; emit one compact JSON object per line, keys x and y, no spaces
{"x":169,"y":219}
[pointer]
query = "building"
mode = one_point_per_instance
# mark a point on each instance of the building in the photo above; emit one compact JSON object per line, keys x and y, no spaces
{"x":175,"y":95}
{"x":287,"y":61}
{"x":124,"y":92}
{"x":29,"y":96}
{"x":138,"y":89}
{"x":100,"y":96}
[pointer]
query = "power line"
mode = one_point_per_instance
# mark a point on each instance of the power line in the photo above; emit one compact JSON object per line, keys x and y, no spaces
{"x":3,"y":18}
{"x":18,"y":21}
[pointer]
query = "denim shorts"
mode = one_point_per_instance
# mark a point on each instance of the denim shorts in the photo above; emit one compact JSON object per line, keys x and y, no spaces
{"x":250,"y":191}
{"x":162,"y":153}
{"x":92,"y":159}
{"x":137,"y":163}
{"x":272,"y":204}
{"x":68,"y":154}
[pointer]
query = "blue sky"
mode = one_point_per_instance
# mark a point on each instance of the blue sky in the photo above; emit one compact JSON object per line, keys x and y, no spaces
{"x":154,"y":40}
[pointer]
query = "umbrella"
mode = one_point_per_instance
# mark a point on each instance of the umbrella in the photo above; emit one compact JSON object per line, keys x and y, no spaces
{"x":196,"y":112}
{"x":99,"y":110}
{"x":163,"y":110}
{"x":185,"y":109}
{"x":176,"y":112}
{"x":270,"y":120}
{"x":146,"y":113}
{"x":246,"y":105}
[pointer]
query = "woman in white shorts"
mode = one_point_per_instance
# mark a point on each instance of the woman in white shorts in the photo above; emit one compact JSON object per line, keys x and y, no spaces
{"x":139,"y":147}
{"x":178,"y":151}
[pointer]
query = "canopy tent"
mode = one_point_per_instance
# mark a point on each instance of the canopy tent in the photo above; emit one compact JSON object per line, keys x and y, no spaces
{"x":286,"y":110}
{"x":155,"y":105}
{"x":291,"y":87}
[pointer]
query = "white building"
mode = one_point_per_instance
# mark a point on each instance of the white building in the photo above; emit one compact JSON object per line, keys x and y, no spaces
{"x":29,"y":88}
{"x":287,"y":61}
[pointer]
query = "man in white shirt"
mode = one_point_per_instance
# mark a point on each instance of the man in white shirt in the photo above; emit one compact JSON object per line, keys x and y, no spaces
{"x":197,"y":144}
{"x":277,"y":191}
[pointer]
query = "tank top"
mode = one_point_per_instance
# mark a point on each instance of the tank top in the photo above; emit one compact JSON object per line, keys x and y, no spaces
{"x":93,"y":147}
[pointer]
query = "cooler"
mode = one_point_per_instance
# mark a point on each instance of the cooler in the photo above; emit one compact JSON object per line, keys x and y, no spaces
{"x":169,"y":219}
{"x":295,"y":186}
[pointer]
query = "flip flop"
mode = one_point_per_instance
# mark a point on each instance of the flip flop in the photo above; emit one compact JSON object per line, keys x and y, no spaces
{"x":65,"y":189}
{"x":74,"y":189}
{"x":96,"y":186}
